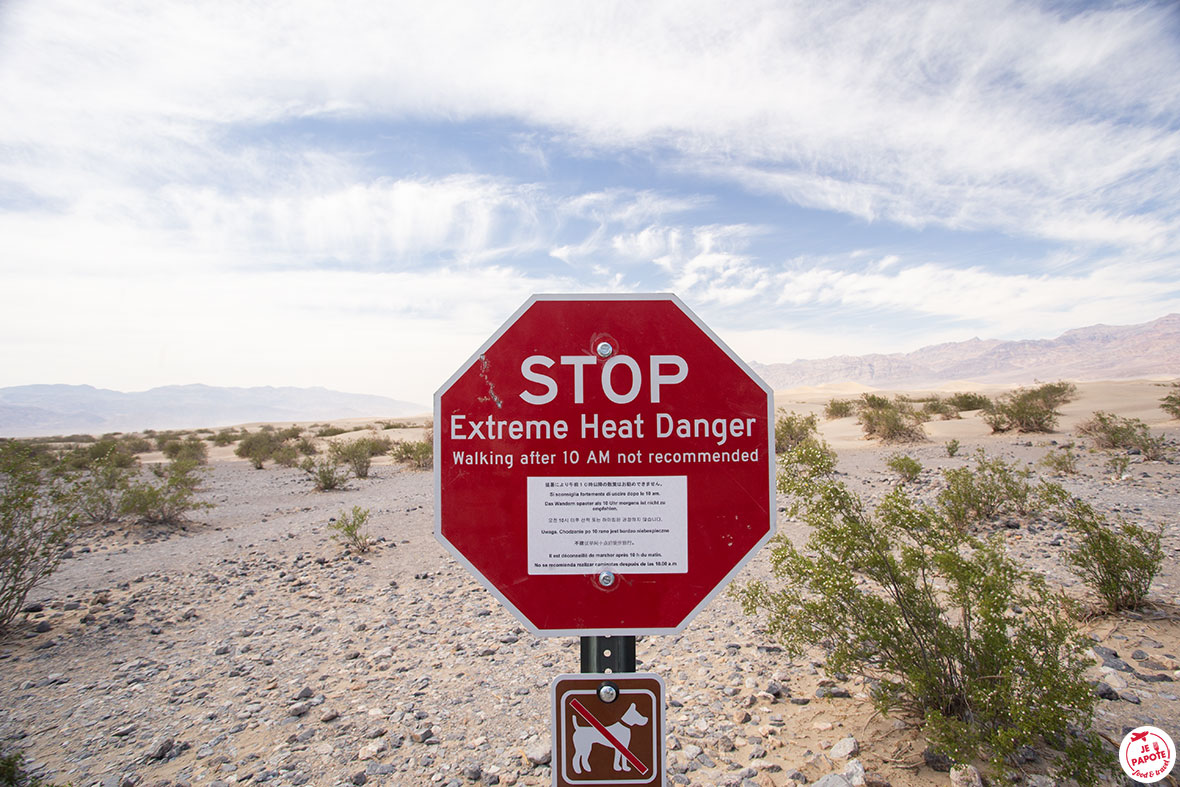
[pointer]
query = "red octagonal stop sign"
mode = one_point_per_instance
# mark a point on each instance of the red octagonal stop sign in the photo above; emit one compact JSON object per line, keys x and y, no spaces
{"x":604,"y":464}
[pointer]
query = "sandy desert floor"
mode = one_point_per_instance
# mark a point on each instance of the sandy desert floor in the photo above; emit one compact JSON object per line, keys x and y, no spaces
{"x":248,"y":647}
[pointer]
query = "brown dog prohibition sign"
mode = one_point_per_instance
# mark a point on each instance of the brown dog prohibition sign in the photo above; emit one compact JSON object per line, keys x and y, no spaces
{"x":596,"y":742}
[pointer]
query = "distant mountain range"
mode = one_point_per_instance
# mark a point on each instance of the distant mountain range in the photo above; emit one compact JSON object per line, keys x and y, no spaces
{"x":1099,"y":352}
{"x":38,"y":410}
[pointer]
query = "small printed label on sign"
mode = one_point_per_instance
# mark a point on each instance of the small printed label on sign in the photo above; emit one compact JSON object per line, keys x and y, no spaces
{"x":634,"y":524}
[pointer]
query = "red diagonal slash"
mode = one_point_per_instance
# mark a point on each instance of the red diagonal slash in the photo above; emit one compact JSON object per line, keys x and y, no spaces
{"x":596,"y":724}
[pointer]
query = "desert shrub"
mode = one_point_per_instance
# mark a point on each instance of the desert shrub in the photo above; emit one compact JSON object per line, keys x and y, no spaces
{"x":258,"y":447}
{"x":330,"y":431}
{"x":968,"y":401}
{"x":1030,"y":409}
{"x":906,"y":467}
{"x":191,"y":449}
{"x":166,"y":498}
{"x":113,"y":452}
{"x":163,"y":438}
{"x":379,"y":446}
{"x":418,"y":454}
{"x":839,"y":408}
{"x":873,"y":401}
{"x":809,"y":459}
{"x":133,"y":444}
{"x":891,"y":421}
{"x":306,"y":446}
{"x":952,"y":447}
{"x":348,"y":531}
{"x":1108,"y":430}
{"x":1061,"y":460}
{"x":38,"y":512}
{"x":924,"y":610}
{"x":968,"y":498}
{"x":359,"y":453}
{"x":791,"y":428}
{"x":940,"y":407}
{"x":108,"y":451}
{"x":290,"y":433}
{"x":227,"y":437}
{"x":100,"y":490}
{"x":1170,"y":404}
{"x":78,"y":438}
{"x":326,"y":473}
{"x":393,"y":425}
{"x":1118,"y":465}
{"x":808,"y":463}
{"x":355,"y":454}
{"x":1116,"y":562}
{"x":993,"y":488}
{"x":40,"y":454}
{"x":286,"y":455}
{"x":13,"y":773}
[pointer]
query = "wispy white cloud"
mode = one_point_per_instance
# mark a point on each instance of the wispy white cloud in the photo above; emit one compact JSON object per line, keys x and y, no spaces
{"x":972,"y":294}
{"x":627,"y":207}
{"x":381,"y":223}
{"x":957,"y":113}
{"x":158,"y":153}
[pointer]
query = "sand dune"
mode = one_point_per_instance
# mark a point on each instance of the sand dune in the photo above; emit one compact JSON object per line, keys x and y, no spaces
{"x":1129,"y":398}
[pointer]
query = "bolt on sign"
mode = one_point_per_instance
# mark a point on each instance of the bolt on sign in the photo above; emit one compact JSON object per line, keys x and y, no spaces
{"x":604,"y":464}
{"x":608,"y":729}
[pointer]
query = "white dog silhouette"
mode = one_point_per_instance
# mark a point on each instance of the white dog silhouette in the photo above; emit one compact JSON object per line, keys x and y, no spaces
{"x":586,"y":737}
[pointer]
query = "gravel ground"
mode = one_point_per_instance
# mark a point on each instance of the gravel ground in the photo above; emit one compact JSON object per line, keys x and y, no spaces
{"x":249,"y":647}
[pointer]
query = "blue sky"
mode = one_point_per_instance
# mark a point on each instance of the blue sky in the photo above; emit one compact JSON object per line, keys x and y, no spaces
{"x":356,"y":194}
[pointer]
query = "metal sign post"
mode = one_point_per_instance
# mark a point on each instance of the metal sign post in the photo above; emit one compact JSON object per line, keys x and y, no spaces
{"x":608,"y":654}
{"x":604,"y":466}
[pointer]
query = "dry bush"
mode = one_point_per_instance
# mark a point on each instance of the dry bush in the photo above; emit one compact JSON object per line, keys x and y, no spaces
{"x":166,"y":499}
{"x":791,"y":428}
{"x":348,"y":530}
{"x":418,"y":454}
{"x":923,"y":610}
{"x":1170,"y":404}
{"x":891,"y":421}
{"x":38,"y":512}
{"x":906,"y":467}
{"x":839,"y":408}
{"x":326,"y":473}
{"x":1118,"y":562}
{"x":1111,"y":431}
{"x":1030,"y":409}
